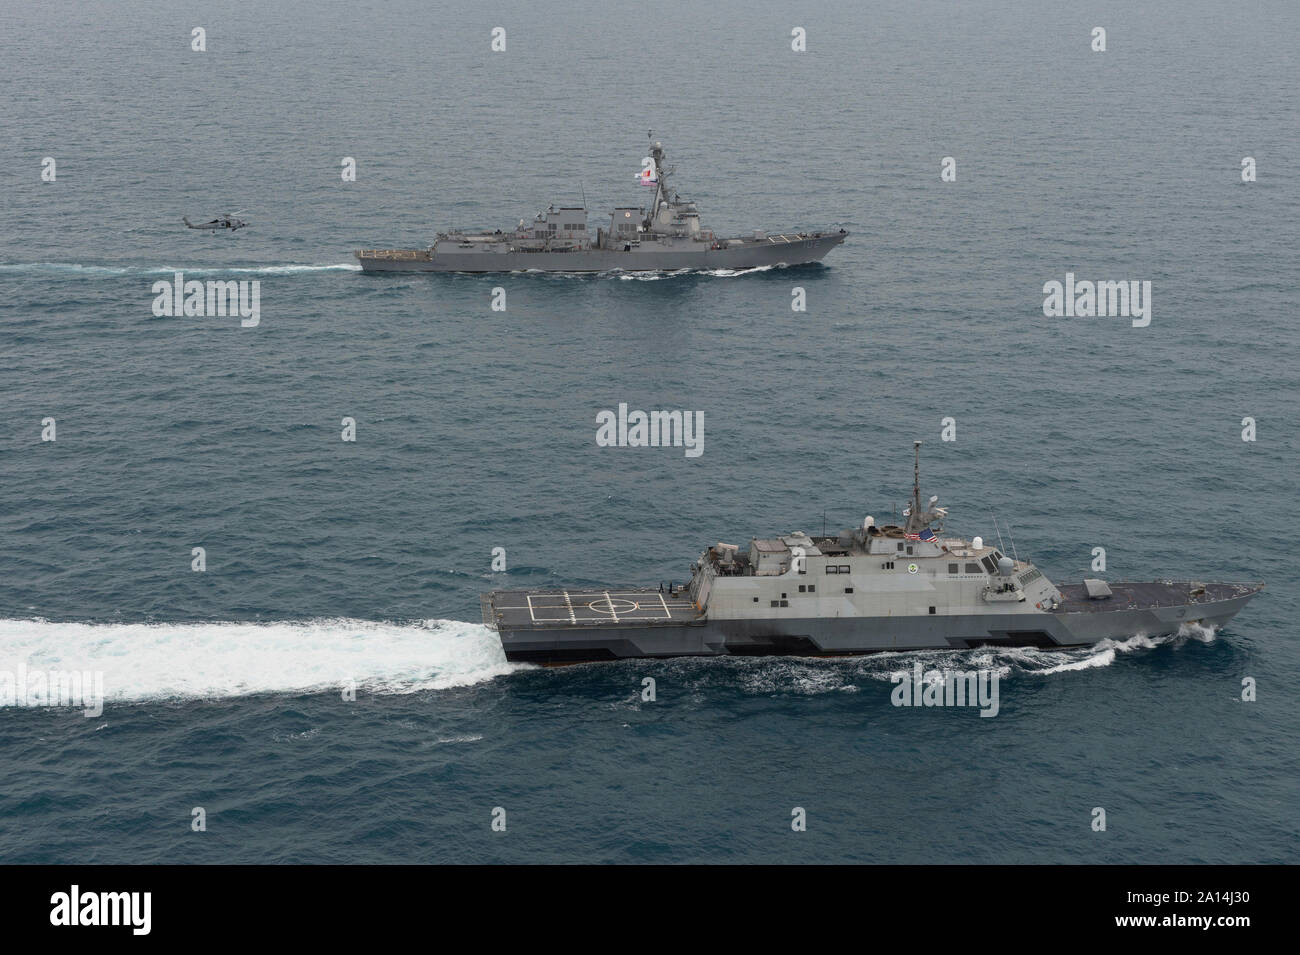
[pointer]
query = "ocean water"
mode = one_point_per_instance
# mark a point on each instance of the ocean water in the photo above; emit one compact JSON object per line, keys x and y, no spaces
{"x":331,"y":564}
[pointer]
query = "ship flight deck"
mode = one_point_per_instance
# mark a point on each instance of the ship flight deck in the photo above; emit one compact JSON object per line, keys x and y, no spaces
{"x":539,"y":609}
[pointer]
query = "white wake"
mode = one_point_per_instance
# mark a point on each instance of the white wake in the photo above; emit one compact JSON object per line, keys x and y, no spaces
{"x":105,"y":271}
{"x":213,"y":660}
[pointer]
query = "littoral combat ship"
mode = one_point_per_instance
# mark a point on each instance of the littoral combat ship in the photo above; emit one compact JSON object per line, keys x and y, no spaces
{"x":667,"y":238}
{"x":864,"y":590}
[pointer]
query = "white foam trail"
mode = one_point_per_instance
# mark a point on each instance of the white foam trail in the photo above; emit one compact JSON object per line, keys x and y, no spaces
{"x":1101,"y":658}
{"x":715,"y":273}
{"x":647,"y":275}
{"x":213,"y":660}
{"x":1197,"y":631}
{"x":801,"y":677}
{"x":1103,"y":653}
{"x":811,"y":677}
{"x":91,"y":271}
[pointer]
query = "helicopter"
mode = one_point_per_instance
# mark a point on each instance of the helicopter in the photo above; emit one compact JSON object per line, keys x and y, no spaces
{"x":226,"y":221}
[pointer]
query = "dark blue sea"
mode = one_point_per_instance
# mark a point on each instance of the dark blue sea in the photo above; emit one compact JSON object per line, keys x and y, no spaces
{"x":333,"y":563}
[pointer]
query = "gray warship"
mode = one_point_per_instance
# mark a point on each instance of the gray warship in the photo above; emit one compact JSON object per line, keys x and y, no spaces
{"x":869,"y":589}
{"x":667,"y":238}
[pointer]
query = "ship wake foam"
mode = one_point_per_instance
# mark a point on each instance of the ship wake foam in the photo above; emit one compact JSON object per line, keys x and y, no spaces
{"x":1103,"y":654}
{"x":142,"y":662}
{"x":109,"y":271}
{"x":805,"y":676}
{"x":713,"y":273}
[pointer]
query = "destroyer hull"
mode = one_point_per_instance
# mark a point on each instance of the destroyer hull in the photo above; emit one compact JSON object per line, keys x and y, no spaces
{"x":570,"y":635}
{"x":645,"y":257}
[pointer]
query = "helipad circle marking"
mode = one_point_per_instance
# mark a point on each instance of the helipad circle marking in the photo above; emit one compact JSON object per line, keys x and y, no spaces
{"x":612,"y":607}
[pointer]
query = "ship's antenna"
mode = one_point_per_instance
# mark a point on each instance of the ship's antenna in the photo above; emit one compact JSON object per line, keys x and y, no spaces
{"x":916,"y":483}
{"x":1012,"y":535}
{"x":661,"y":182}
{"x":999,"y":532}
{"x":584,"y":195}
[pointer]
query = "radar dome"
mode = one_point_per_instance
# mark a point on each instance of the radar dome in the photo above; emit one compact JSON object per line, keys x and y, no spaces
{"x":977,"y":543}
{"x":1005,"y":566}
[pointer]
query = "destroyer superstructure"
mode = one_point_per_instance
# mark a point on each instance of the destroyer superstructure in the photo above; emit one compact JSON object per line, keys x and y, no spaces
{"x":906,"y":586}
{"x":667,"y":237}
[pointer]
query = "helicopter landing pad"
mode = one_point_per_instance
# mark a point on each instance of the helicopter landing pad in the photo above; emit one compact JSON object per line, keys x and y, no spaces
{"x":518,"y":608}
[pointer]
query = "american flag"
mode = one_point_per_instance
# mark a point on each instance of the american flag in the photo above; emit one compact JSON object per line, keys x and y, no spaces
{"x":925,"y":535}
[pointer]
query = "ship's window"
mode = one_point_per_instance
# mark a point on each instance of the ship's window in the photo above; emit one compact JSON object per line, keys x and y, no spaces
{"x":972,"y":568}
{"x":755,"y":600}
{"x":812,"y":588}
{"x":954,"y":568}
{"x":802,"y":588}
{"x":785,"y":603}
{"x":887,"y":565}
{"x":783,"y":596}
{"x":832,"y":569}
{"x":776,"y":603}
{"x":848,"y":590}
{"x":931,"y":610}
{"x":989,"y":565}
{"x":909,"y":550}
{"x":900,"y":545}
{"x":552,"y":227}
{"x":845,"y":568}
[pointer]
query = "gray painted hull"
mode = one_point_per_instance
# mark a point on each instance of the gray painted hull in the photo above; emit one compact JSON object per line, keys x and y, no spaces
{"x":1060,"y":629}
{"x":647,"y":257}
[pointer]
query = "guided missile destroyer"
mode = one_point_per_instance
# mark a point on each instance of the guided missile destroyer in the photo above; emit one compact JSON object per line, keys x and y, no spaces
{"x":668,"y":237}
{"x":903,"y":586}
